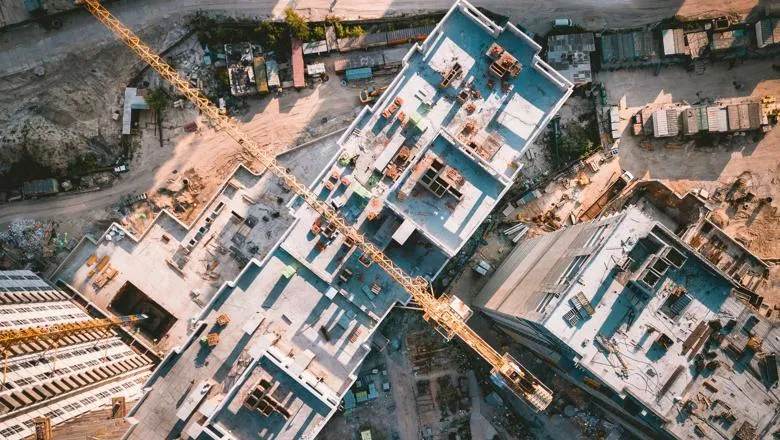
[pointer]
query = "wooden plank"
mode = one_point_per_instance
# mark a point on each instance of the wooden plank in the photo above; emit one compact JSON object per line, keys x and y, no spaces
{"x":694,"y":336}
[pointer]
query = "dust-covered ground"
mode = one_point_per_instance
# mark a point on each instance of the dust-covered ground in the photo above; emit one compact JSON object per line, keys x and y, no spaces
{"x":62,"y":111}
{"x":686,"y":164}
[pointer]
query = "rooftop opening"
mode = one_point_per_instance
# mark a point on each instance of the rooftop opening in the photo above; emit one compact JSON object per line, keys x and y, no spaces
{"x":131,"y":300}
{"x":649,"y":277}
{"x":673,"y":256}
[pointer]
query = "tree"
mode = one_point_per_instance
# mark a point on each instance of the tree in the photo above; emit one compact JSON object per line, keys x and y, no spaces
{"x":270,"y":34}
{"x":297,"y":24}
{"x":317,"y":34}
{"x":157,"y":99}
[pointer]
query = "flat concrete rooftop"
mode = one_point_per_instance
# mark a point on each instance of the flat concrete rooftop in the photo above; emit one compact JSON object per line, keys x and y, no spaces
{"x":447,"y":220}
{"x":220,"y":242}
{"x":302,"y":318}
{"x":274,"y":319}
{"x":416,"y":112}
{"x":655,"y":331}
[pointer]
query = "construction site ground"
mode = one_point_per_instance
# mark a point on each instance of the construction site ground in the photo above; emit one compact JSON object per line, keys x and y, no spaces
{"x":438,"y":389}
{"x":205,"y":157}
{"x":685,"y":165}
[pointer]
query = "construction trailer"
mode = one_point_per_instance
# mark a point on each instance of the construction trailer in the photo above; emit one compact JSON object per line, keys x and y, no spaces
{"x":299,"y":81}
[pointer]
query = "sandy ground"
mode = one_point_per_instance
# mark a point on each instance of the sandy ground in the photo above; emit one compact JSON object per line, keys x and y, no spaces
{"x":692,"y":167}
{"x":212,"y":155}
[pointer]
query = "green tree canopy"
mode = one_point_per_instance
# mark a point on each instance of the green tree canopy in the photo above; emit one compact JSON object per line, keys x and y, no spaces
{"x":297,"y":24}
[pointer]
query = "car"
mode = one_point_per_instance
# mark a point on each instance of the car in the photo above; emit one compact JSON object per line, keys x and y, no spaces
{"x":121,"y":169}
{"x":563,"y":22}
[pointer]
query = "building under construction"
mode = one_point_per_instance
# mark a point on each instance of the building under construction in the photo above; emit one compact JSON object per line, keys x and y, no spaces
{"x":627,"y":307}
{"x":276,"y":347}
{"x":54,"y":381}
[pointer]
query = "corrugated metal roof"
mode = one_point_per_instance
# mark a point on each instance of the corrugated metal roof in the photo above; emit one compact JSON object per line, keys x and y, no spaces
{"x":723,"y":122}
{"x":297,"y":64}
{"x":672,"y":121}
{"x":375,"y":39}
{"x":744,"y":119}
{"x":679,"y":41}
{"x":733,"y":115}
{"x":630,"y":46}
{"x":372,"y":59}
{"x":754,"y":115}
{"x":360,"y":73}
{"x":703,"y":120}
{"x":713,"y":122}
{"x":406,"y":35}
{"x":364,"y":41}
{"x":660,"y":123}
{"x":315,"y":47}
{"x":40,"y":187}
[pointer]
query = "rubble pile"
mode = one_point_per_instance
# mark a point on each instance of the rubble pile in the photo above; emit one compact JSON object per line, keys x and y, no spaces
{"x":29,"y":236}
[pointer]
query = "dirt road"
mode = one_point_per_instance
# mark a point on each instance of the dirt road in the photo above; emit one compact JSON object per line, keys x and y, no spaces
{"x":28,"y":46}
{"x":69,"y":205}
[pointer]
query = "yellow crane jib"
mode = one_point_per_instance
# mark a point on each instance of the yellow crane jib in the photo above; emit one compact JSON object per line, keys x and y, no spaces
{"x":440,"y":312}
{"x":11,"y":337}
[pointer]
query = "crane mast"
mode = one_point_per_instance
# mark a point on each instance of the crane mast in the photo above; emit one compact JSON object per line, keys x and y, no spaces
{"x":437,"y":311}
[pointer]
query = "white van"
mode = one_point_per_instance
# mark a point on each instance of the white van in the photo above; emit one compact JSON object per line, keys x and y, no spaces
{"x":562,"y":22}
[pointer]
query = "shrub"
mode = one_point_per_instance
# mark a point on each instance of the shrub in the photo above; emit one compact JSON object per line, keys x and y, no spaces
{"x":297,"y":24}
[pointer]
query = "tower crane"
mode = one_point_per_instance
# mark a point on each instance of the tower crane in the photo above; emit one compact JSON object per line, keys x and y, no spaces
{"x":49,"y":334}
{"x":440,"y":312}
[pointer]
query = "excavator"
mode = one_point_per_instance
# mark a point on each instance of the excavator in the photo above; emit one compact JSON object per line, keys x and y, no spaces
{"x":369,"y":94}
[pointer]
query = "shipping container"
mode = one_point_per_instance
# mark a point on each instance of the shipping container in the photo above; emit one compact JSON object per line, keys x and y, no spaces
{"x":261,"y":77}
{"x":360,"y":73}
{"x":272,"y":69}
{"x":299,"y":81}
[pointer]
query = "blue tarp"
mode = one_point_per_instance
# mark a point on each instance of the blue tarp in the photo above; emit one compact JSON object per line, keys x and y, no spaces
{"x":33,"y":5}
{"x":349,"y":401}
{"x":361,"y":73}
